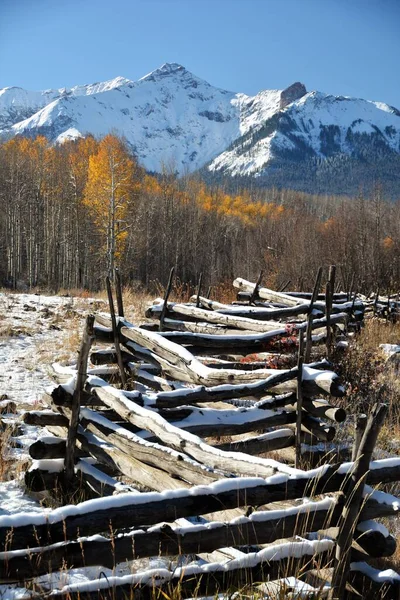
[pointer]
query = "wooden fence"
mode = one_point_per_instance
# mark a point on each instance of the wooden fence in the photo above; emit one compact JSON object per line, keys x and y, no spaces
{"x":185,"y":431}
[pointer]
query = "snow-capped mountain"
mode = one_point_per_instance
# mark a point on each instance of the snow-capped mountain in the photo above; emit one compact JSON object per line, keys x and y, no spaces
{"x":171,"y":117}
{"x":314,"y":126}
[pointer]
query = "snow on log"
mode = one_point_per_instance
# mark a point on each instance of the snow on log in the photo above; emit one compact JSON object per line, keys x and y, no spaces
{"x":179,"y":439}
{"x":250,"y":312}
{"x":208,"y":579}
{"x":132,"y":510}
{"x":157,"y":455}
{"x":267,"y":294}
{"x":180,"y":364}
{"x":261,"y":527}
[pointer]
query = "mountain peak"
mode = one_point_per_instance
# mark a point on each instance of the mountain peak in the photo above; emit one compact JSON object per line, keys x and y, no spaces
{"x":294,"y":92}
{"x":171,"y":68}
{"x":166,"y":70}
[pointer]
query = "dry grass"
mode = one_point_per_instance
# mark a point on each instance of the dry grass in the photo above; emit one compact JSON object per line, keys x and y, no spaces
{"x":370,"y":377}
{"x":373,"y":378}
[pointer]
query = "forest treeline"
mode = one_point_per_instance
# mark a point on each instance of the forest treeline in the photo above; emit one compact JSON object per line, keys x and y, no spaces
{"x":71,"y":213}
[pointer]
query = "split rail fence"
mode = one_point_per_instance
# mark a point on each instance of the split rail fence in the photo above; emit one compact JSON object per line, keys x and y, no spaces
{"x":208,"y":434}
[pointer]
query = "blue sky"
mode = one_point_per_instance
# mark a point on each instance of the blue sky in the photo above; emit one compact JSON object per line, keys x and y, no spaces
{"x":349,"y":47}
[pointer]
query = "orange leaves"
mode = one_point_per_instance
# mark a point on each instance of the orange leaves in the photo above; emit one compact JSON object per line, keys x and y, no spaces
{"x":110,"y":192}
{"x":388,"y":243}
{"x":110,"y":180}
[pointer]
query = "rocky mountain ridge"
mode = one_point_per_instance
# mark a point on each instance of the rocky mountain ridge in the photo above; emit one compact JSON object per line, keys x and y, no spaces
{"x":171,"y":118}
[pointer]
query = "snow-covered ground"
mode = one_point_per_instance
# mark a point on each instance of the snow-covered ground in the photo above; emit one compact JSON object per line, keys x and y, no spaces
{"x":35,"y":330}
{"x":30,"y":333}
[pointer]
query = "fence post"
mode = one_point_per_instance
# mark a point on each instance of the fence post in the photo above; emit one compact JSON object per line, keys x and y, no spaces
{"x":118,"y":289}
{"x":328,"y":309}
{"x":166,"y":296}
{"x":354,"y":496}
{"x":255,"y":291}
{"x":115,"y":333}
{"x":361,"y":423}
{"x":314,"y":296}
{"x":87,"y":341}
{"x":199,"y":290}
{"x":299,"y":394}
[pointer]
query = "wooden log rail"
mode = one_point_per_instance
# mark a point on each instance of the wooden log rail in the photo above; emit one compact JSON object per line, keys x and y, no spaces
{"x":214,"y":317}
{"x":260,"y":444}
{"x":207,"y":421}
{"x":252,"y":342}
{"x":250,"y":312}
{"x":179,"y":363}
{"x":216,"y":324}
{"x":248,"y":342}
{"x":293,"y":299}
{"x":179,"y":439}
{"x":367,"y":582}
{"x":176,"y":463}
{"x":184,"y":396}
{"x":265,"y":564}
{"x":261,"y":527}
{"x":49,"y":474}
{"x":135,"y":510}
{"x":257,"y":313}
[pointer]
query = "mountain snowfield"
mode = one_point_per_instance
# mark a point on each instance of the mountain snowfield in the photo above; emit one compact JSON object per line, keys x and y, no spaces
{"x":316,"y":124}
{"x":174,"y":119}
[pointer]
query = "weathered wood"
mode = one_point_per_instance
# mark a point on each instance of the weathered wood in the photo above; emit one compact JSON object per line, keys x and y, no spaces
{"x":115,"y":333}
{"x":321,"y":409}
{"x":328,"y":304}
{"x":166,"y":296}
{"x":251,"y":343}
{"x":320,"y":430}
{"x":134,"y":510}
{"x":299,"y":399}
{"x":98,"y":482}
{"x":361,"y":423}
{"x":267,"y":294}
{"x":254,"y":293}
{"x":217,"y":318}
{"x":310,"y":317}
{"x":135,"y":470}
{"x":277,"y":359}
{"x":259,"y":528}
{"x":47,"y":447}
{"x":106,"y":357}
{"x":42,"y":418}
{"x":87,"y":340}
{"x":204,"y":422}
{"x":186,"y":441}
{"x":180,"y":364}
{"x":367,"y":542}
{"x":47,"y":477}
{"x":187,"y":396}
{"x":373,"y":584}
{"x":354,"y":494}
{"x":118,"y":290}
{"x":267,"y":442}
{"x":256,"y":312}
{"x":360,"y":582}
{"x":199,"y":327}
{"x":175,"y":463}
{"x":43,"y":475}
{"x":199,"y":290}
{"x":207,"y":580}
